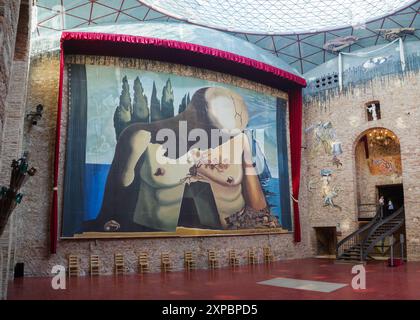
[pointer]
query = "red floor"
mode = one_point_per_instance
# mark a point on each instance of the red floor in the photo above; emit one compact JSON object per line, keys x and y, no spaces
{"x":382,"y":282}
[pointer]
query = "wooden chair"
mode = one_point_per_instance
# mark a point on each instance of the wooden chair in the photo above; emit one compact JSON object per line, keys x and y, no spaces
{"x":119,"y":263}
{"x":189,"y":261}
{"x":94,"y":265}
{"x":213,"y":260}
{"x":143,"y":262}
{"x":74,"y":265}
{"x":165,"y":264}
{"x":268,"y":255}
{"x":233,"y":259}
{"x":252,"y":256}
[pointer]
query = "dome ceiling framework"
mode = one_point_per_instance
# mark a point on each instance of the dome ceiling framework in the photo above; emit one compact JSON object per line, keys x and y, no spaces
{"x":304,"y":33}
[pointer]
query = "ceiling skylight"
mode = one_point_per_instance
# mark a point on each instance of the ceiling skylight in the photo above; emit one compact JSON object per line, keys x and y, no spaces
{"x":277,"y":16}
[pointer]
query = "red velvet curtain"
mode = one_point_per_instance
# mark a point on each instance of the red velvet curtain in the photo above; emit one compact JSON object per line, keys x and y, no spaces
{"x":54,"y":209}
{"x":104,"y":44}
{"x":295,"y":128}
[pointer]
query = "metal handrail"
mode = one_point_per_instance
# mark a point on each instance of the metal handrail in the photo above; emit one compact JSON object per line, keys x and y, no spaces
{"x":376,"y":226}
{"x":353,"y":238}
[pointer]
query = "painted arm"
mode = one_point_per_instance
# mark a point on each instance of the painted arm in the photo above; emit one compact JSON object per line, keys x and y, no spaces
{"x":135,"y":146}
{"x":252,"y":191}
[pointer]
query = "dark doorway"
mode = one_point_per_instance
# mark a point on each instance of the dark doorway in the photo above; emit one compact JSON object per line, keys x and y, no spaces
{"x":198,"y":208}
{"x":326,"y":239}
{"x":393,"y":192}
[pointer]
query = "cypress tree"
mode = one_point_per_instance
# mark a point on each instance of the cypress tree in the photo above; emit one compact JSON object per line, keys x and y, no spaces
{"x":183,"y":104}
{"x":122,"y":115}
{"x":167,"y":100}
{"x":155,"y":113}
{"x":140,"y":108}
{"x":188,"y":99}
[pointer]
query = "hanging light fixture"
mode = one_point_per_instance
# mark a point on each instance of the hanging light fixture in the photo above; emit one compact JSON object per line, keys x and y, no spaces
{"x":381,"y":137}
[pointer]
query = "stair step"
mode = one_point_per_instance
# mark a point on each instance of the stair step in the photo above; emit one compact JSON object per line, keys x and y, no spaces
{"x":344,"y":255}
{"x":348,"y":261}
{"x":352,"y":254}
{"x":342,"y":261}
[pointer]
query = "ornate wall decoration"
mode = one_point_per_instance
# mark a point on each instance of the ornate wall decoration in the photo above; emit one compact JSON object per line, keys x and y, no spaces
{"x":328,"y":191}
{"x":325,"y":139}
{"x":386,"y":165}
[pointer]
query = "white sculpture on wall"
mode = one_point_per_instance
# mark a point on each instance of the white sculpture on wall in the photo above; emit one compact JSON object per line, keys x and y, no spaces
{"x":372,"y":110}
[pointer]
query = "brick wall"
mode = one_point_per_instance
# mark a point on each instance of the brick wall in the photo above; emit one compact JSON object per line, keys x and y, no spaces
{"x":23,"y":32}
{"x":9,"y":14}
{"x":399,"y":98}
{"x":14,"y":43}
{"x":14,"y":117}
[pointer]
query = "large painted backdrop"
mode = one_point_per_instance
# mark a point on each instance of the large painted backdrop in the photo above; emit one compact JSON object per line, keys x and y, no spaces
{"x":138,"y":162}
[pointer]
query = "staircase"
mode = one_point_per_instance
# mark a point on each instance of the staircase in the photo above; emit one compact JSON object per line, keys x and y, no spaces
{"x":357,"y":246}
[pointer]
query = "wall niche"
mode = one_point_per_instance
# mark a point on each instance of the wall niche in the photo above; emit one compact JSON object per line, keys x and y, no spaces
{"x":373,"y":110}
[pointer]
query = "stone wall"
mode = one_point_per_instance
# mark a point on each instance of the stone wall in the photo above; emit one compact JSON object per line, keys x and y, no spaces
{"x":9,"y":15}
{"x":14,"y":43}
{"x":33,"y":246}
{"x":399,"y":97}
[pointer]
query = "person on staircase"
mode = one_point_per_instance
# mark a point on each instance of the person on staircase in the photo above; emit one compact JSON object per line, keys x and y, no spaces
{"x":390,"y":207}
{"x":381,"y":215}
{"x":381,"y":207}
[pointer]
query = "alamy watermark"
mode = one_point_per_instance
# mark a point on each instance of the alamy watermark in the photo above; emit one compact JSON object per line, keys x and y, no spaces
{"x":58,"y":281}
{"x":359,"y":280}
{"x":222,"y":146}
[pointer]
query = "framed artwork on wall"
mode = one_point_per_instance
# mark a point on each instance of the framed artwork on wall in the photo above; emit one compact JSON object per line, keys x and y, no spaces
{"x":152,"y":154}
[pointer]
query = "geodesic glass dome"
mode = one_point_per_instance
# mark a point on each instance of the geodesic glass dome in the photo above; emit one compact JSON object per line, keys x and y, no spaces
{"x":297,"y":31}
{"x":276,"y":16}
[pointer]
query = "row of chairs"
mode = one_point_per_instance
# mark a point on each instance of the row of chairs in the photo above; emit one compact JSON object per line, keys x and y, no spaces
{"x":166,"y":263}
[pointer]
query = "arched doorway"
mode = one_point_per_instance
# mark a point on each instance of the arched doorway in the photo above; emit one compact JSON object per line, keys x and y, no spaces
{"x":379,"y":173}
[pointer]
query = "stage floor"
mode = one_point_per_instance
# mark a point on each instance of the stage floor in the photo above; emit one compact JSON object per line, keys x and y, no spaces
{"x":291,"y":279}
